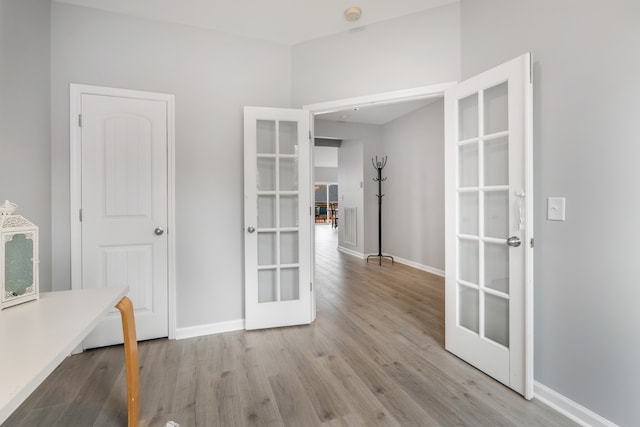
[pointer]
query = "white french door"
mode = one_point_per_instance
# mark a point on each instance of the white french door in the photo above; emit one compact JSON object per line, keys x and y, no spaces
{"x":277,"y":217}
{"x":488,"y":203}
{"x":123,"y":214}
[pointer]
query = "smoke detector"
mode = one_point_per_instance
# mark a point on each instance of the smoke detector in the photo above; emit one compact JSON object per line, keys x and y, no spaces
{"x":352,"y":14}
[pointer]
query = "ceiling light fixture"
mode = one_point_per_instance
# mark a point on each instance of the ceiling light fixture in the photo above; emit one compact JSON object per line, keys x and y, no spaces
{"x":352,"y":14}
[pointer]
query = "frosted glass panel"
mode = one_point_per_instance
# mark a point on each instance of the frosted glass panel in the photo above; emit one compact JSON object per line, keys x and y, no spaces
{"x":288,"y":138}
{"x":267,"y":286}
{"x":496,"y":267}
{"x":468,"y":111}
{"x":289,"y":247}
{"x":266,"y":137}
{"x":468,"y":215}
{"x":496,"y":161}
{"x":496,"y":319}
{"x":18,"y":258}
{"x":496,"y":111}
{"x":267,"y":249}
{"x":289,"y":284}
{"x":267,"y":211}
{"x":266,"y":174}
{"x":468,"y":267}
{"x":468,"y":165}
{"x":288,"y":211}
{"x":288,"y":174}
{"x":496,"y":216}
{"x":468,"y":312}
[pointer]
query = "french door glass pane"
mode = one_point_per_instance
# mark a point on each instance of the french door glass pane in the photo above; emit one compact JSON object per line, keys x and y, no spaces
{"x":496,"y":319}
{"x":469,"y":260}
{"x":468,"y":215}
{"x":496,"y":267}
{"x":289,"y":284}
{"x":288,"y":137}
{"x":266,"y":137}
{"x":496,"y":161}
{"x":468,"y":120}
{"x":468,"y":165}
{"x":289,"y":247}
{"x":266,"y":211}
{"x":496,"y":115}
{"x":496,"y":214}
{"x":267,"y":248}
{"x":288,"y":174}
{"x":288,"y":211}
{"x":468,"y":308}
{"x":267,"y":288}
{"x":266,"y":174}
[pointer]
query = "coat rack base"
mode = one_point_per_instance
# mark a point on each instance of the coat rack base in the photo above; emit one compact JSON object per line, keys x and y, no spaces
{"x":380,"y":257}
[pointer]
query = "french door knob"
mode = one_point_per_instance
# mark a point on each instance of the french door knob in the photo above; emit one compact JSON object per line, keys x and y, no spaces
{"x":159,"y":231}
{"x":514,"y":241}
{"x":251,"y":229}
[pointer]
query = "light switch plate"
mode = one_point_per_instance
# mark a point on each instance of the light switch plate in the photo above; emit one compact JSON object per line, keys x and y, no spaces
{"x":555,"y":209}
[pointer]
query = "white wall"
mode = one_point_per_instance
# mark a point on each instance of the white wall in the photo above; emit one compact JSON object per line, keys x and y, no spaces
{"x":411,"y":51}
{"x":25,"y":155}
{"x":326,"y":174}
{"x":413,"y":205}
{"x":586,"y":148}
{"x":212,"y":76}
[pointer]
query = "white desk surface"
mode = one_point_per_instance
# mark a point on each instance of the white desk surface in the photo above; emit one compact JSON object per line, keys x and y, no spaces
{"x":35,"y":337}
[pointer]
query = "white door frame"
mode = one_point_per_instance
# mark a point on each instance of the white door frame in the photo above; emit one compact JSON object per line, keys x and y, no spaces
{"x":75,"y":181}
{"x":403,"y":95}
{"x":437,"y":91}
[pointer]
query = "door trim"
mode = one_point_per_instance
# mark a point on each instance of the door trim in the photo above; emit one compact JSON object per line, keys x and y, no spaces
{"x":75,"y":180}
{"x":391,"y":97}
{"x":422,"y":92}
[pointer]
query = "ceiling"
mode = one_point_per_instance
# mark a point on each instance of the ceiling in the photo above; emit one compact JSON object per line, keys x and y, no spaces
{"x":286,"y":22}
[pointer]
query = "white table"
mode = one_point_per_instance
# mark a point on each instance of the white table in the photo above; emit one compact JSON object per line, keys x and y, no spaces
{"x":35,"y":337}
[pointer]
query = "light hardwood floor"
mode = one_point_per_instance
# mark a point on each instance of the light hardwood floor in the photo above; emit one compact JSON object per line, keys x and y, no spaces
{"x":374,"y":357}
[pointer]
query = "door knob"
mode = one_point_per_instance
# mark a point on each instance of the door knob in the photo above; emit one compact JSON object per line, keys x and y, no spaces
{"x":514,"y":241}
{"x":251,"y":229}
{"x":159,"y":231}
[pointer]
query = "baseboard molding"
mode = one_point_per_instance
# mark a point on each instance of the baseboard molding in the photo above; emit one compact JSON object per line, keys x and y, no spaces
{"x":569,"y":408}
{"x":211,"y":328}
{"x":419,"y":266}
{"x":351,"y":252}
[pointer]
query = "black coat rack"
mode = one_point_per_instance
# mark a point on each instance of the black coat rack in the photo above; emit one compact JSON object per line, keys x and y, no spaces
{"x":378,"y":165}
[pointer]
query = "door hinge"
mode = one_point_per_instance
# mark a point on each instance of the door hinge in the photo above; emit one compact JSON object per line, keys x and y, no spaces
{"x":80,"y":120}
{"x":309,"y":136}
{"x":531,"y":242}
{"x":310,"y":286}
{"x":80,"y":214}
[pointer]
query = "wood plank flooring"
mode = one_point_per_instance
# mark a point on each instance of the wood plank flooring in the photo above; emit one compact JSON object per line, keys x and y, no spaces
{"x":374,"y":357}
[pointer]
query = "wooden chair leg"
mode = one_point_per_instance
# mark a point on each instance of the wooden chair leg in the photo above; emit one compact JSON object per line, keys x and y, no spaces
{"x":131,"y":360}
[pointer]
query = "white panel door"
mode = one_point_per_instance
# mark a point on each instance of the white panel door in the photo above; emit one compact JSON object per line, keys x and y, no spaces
{"x":277,"y":217}
{"x":124,"y":209}
{"x":488,"y":187}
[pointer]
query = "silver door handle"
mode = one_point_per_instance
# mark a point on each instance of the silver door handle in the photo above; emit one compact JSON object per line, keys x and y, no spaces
{"x":159,"y":231}
{"x":514,"y":241}
{"x":251,"y":229}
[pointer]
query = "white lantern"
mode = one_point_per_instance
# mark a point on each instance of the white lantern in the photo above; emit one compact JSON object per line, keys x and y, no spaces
{"x":18,"y":257}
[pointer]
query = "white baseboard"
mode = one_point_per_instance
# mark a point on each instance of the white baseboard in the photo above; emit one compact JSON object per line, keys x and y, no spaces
{"x":351,"y":252}
{"x":569,"y":408}
{"x":211,"y":328}
{"x":419,"y":266}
